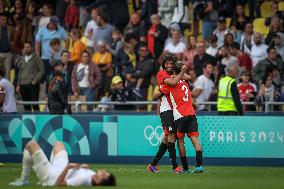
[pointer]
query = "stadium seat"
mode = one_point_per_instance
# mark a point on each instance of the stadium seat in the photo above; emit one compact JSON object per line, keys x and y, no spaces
{"x":228,"y":22}
{"x":246,"y":10}
{"x":259,"y":26}
{"x":265,"y":9}
{"x":281,"y":6}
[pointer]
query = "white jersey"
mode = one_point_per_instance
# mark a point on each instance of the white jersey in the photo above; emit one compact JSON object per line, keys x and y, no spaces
{"x":79,"y":177}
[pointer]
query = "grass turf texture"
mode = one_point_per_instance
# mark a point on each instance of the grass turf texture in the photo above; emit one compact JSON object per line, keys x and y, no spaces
{"x":136,"y":176}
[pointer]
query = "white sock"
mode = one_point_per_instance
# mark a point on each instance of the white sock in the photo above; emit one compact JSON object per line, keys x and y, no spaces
{"x":26,"y":165}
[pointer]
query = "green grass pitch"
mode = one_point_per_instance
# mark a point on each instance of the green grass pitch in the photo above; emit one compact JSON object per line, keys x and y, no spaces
{"x":136,"y":176}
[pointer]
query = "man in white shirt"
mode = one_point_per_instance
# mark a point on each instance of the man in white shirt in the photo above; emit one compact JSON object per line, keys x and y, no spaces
{"x":7,"y":95}
{"x":258,"y":49}
{"x":58,"y":171}
{"x":176,"y":46}
{"x":90,"y":31}
{"x":203,"y":86}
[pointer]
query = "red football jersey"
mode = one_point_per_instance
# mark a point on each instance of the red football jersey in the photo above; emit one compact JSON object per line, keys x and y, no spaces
{"x":181,"y":99}
{"x":165,"y":102}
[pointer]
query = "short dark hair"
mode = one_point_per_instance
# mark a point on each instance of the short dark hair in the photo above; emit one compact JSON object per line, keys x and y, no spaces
{"x":235,"y":46}
{"x":55,"y":41}
{"x":28,"y":42}
{"x":129,"y":36}
{"x":204,"y":65}
{"x":168,"y":57}
{"x":64,"y":51}
{"x":2,"y":73}
{"x":85,"y":51}
{"x":102,"y":12}
{"x":109,"y":181}
{"x":143,"y":44}
{"x":269,"y":49}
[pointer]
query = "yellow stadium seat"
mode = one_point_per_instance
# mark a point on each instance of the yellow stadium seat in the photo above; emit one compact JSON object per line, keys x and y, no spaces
{"x":281,"y":6}
{"x":259,"y":26}
{"x":228,"y":22}
{"x":246,"y":10}
{"x":265,"y":9}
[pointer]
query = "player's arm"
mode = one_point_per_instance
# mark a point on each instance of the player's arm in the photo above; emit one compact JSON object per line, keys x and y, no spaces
{"x":61,"y":181}
{"x":172,"y":81}
{"x":196,"y":92}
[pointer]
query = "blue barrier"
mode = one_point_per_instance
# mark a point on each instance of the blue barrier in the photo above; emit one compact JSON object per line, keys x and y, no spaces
{"x":247,"y":140}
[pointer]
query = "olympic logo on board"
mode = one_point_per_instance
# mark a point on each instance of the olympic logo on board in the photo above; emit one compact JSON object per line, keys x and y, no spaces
{"x":154,"y":135}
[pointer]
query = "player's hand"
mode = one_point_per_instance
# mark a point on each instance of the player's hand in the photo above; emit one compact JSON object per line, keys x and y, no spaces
{"x":183,"y":68}
{"x":74,"y":166}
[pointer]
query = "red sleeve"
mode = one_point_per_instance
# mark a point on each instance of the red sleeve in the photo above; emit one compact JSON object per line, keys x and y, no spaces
{"x":165,"y":89}
{"x":76,"y":17}
{"x":161,"y":76}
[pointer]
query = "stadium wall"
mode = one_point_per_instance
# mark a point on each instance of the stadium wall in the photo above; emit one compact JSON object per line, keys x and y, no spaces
{"x":247,"y":140}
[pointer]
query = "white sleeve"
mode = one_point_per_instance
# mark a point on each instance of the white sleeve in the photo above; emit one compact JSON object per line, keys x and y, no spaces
{"x":199,"y":84}
{"x":86,"y":30}
{"x":78,"y":180}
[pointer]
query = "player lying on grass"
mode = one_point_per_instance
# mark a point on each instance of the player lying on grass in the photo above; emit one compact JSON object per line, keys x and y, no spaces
{"x":58,"y":171}
{"x":164,"y":77}
{"x":184,"y":118}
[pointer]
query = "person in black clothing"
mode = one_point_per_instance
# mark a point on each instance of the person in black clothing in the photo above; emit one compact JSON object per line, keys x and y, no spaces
{"x":120,"y":93}
{"x":57,"y":95}
{"x":201,"y":58}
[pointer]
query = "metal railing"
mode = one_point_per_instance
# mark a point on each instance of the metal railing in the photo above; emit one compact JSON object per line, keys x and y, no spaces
{"x":78,"y":104}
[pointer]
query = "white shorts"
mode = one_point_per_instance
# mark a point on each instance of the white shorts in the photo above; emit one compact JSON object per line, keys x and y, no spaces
{"x":48,"y":172}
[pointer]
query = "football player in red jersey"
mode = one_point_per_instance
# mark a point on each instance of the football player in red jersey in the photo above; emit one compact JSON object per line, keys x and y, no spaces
{"x":184,"y":118}
{"x":164,"y":77}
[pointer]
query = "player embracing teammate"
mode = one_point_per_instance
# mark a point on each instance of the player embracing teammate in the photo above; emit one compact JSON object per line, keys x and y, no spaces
{"x":177,"y":116}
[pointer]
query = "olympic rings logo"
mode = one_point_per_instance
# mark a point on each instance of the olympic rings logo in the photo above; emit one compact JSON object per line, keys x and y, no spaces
{"x":154,"y":136}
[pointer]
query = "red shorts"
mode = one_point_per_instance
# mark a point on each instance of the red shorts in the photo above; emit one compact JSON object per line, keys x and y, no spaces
{"x":187,"y":125}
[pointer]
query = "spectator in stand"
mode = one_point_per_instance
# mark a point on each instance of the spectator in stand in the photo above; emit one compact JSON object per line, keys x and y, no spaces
{"x":43,"y":38}
{"x":272,"y":59}
{"x":17,"y":12}
{"x":86,"y":78}
{"x":19,"y":38}
{"x":78,"y":46}
{"x":116,"y":43}
{"x":213,"y":48}
{"x":143,"y":72}
{"x":120,"y":93}
{"x":203,"y":86}
{"x":201,"y":58}
{"x":247,"y":38}
{"x":72,"y":14}
{"x":7,"y":96}
{"x":229,"y":39}
{"x":104,"y":30}
{"x":125,"y":60}
{"x":57,"y":94}
{"x":6,"y":45}
{"x":258,"y":50}
{"x":220,"y":31}
{"x":209,"y":16}
{"x":103,"y":59}
{"x":67,"y":70}
{"x":166,"y":11}
{"x":116,"y":12}
{"x":247,"y":90}
{"x":226,"y":59}
{"x":148,"y":9}
{"x":275,"y":13}
{"x":55,"y":49}
{"x":172,"y":28}
{"x":190,"y":52}
{"x":60,"y":8}
{"x":157,"y":35}
{"x":31,"y":12}
{"x":134,"y":26}
{"x":175,"y":46}
{"x":278,"y":42}
{"x":91,"y":30}
{"x":275,"y":27}
{"x":274,"y":72}
{"x":31,"y":71}
{"x":44,"y":19}
{"x":244,"y":60}
{"x":240,"y":19}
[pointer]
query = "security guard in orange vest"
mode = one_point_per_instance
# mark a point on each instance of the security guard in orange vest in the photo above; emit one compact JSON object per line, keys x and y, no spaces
{"x":229,"y":102}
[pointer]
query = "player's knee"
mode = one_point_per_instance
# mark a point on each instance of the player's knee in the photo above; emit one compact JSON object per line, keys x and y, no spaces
{"x":58,"y":146}
{"x":31,"y":144}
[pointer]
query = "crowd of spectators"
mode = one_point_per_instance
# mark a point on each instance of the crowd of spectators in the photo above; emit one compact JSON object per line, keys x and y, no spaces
{"x":108,"y":48}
